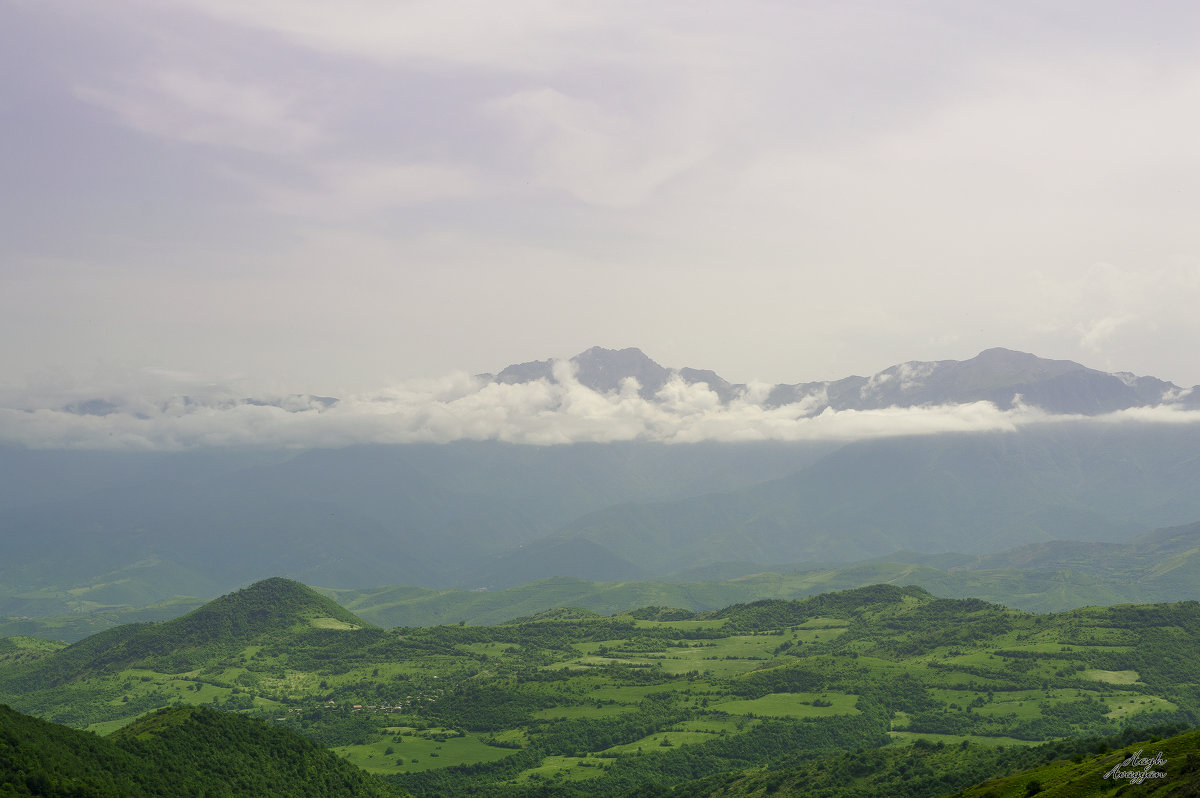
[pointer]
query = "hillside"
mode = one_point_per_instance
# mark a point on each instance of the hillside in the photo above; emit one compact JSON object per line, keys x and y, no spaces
{"x":82,"y":623}
{"x":267,"y":610}
{"x":352,"y":517}
{"x":185,"y":751}
{"x":1160,"y":565}
{"x":1176,"y":758}
{"x":571,"y":703}
{"x":1063,"y":769}
{"x":971,"y":493}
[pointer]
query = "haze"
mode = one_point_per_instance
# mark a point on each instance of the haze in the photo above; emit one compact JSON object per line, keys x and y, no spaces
{"x":330,"y":198}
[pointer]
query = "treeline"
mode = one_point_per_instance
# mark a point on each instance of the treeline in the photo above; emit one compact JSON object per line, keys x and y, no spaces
{"x":780,"y":613}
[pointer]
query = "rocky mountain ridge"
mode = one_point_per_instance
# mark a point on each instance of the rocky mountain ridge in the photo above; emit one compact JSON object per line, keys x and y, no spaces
{"x":1004,"y":377}
{"x":1001,"y":376}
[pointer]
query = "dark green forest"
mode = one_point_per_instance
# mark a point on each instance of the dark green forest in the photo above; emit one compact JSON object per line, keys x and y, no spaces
{"x":178,"y":751}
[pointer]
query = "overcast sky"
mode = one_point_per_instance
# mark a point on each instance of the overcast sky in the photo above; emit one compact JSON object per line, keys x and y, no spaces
{"x":330,"y":197}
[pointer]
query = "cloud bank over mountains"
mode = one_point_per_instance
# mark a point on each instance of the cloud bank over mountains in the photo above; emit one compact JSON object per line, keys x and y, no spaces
{"x":605,"y":396}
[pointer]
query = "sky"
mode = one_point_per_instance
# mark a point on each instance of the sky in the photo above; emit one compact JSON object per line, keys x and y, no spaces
{"x":334,"y":198}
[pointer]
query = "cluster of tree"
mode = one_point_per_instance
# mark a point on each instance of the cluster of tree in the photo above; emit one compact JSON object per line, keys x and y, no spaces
{"x":174,"y":752}
{"x":921,"y":769}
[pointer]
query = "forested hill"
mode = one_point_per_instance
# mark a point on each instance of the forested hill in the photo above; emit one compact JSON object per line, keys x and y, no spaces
{"x":180,"y":751}
{"x":1062,"y":769}
{"x":1109,"y":773}
{"x":264,"y":611}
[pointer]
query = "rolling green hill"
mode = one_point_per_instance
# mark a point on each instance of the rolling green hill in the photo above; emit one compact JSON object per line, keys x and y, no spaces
{"x":928,"y":767}
{"x":1161,"y":565}
{"x":572,"y":703}
{"x":15,"y":650}
{"x":264,"y":611}
{"x":183,"y":751}
{"x":1130,"y":769}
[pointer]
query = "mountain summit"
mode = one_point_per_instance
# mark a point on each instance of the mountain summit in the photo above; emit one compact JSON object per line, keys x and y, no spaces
{"x":1002,"y":376}
{"x":604,"y":370}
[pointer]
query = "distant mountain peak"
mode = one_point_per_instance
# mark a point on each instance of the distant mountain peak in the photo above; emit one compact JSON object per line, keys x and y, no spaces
{"x":1000,"y":352}
{"x":600,"y":369}
{"x":999,"y":358}
{"x":998,"y":375}
{"x":629,"y":352}
{"x":604,"y":370}
{"x":265,"y":610}
{"x":275,"y":603}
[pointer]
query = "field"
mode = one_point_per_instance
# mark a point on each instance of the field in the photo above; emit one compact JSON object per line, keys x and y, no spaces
{"x":572,"y":704}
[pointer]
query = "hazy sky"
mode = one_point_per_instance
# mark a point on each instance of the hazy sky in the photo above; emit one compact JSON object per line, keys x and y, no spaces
{"x":328,"y":197}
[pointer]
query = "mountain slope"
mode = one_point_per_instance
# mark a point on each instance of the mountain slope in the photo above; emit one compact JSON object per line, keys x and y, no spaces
{"x":1064,"y":769}
{"x":181,"y":751}
{"x":1000,"y":376}
{"x":1176,"y":758}
{"x":125,"y":531}
{"x":364,"y":515}
{"x":571,"y":557}
{"x":971,"y":493}
{"x":1161,"y":565}
{"x":266,"y":610}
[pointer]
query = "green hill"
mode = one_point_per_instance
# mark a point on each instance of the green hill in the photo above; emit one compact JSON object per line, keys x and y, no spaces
{"x":18,"y":649}
{"x":265,"y":610}
{"x":181,"y":751}
{"x":1130,"y":770}
{"x":568,"y":703}
{"x":928,"y":767}
{"x":1160,"y":565}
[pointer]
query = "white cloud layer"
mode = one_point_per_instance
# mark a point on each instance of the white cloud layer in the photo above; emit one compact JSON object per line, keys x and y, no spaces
{"x":540,"y":413}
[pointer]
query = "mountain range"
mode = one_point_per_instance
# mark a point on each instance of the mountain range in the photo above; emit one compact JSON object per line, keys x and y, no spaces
{"x":1001,"y":376}
{"x":83,"y":531}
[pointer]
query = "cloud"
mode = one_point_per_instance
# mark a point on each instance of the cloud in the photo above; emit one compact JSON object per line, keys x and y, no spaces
{"x":522,"y":34}
{"x":207,"y":109}
{"x":913,"y":375}
{"x":600,"y":155}
{"x":352,"y":189}
{"x":855,"y":183}
{"x":1095,"y":334}
{"x":460,"y":407}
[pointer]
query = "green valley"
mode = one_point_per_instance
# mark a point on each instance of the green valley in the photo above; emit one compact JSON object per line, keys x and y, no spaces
{"x":570,"y":702}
